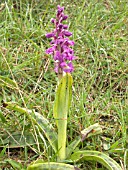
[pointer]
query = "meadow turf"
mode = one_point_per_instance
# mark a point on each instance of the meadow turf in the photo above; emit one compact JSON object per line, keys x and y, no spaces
{"x":100,"y":78}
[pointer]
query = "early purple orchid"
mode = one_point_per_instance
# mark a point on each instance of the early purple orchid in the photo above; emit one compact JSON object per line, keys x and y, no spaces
{"x":60,"y":45}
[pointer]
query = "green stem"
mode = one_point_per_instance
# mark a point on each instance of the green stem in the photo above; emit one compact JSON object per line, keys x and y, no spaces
{"x":62,"y":136}
{"x":59,"y":77}
{"x":62,"y":119}
{"x":60,"y":110}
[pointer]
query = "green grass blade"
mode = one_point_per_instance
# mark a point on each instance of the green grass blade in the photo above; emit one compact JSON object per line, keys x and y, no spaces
{"x":3,"y":151}
{"x":126,"y":159}
{"x":2,"y":118}
{"x":7,"y":82}
{"x":60,"y":112}
{"x":43,"y":124}
{"x":102,"y":158}
{"x":51,"y":166}
{"x":14,"y":164}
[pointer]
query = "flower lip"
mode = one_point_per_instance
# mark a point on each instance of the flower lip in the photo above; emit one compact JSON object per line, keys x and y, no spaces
{"x":53,"y":20}
{"x":64,"y":17}
{"x":49,"y":35}
{"x":60,"y":26}
{"x":68,"y":68}
{"x":57,"y":55}
{"x":65,"y":26}
{"x":50,"y":50}
{"x":67,"y":33}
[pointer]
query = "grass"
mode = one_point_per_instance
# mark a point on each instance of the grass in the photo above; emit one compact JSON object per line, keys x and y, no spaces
{"x":100,"y":85}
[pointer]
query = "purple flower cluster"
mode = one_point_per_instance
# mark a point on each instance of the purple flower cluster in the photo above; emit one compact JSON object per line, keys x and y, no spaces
{"x":60,"y":44}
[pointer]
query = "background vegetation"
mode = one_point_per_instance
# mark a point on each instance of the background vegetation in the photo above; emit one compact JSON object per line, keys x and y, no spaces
{"x":100,"y":88}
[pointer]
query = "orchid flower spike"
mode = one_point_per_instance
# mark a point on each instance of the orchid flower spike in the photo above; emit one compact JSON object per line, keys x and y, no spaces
{"x":60,"y":48}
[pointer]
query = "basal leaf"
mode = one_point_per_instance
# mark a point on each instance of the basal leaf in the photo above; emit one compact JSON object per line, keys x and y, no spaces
{"x":51,"y":166}
{"x":102,"y":158}
{"x":38,"y":119}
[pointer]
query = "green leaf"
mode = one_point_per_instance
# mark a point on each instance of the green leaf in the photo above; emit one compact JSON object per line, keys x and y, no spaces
{"x":47,"y":128}
{"x":102,"y":158}
{"x":60,"y":111}
{"x":87,"y":132}
{"x":38,"y":119}
{"x":91,"y":131}
{"x":51,"y":166}
{"x":70,"y":148}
